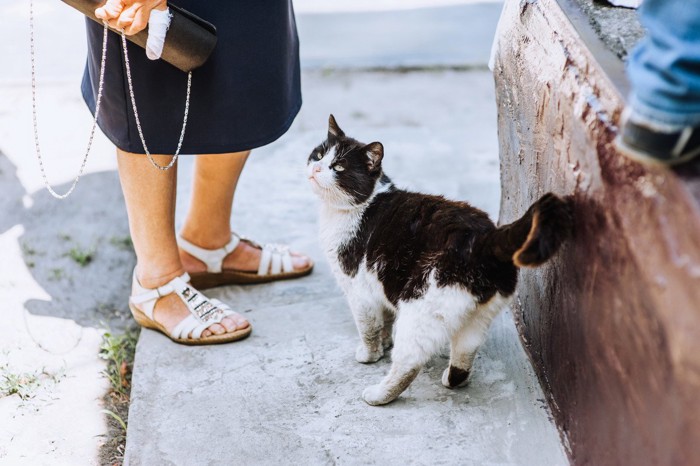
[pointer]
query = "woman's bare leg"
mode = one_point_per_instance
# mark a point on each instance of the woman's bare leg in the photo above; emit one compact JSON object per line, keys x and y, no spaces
{"x":208,"y":221}
{"x":150,"y":203}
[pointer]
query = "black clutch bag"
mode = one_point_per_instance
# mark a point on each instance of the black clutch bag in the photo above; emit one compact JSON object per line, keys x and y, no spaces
{"x":188,"y":44}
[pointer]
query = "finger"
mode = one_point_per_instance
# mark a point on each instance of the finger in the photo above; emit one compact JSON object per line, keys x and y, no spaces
{"x":113,"y":24}
{"x":140,"y":21}
{"x":127,"y":16}
{"x":110,"y":10}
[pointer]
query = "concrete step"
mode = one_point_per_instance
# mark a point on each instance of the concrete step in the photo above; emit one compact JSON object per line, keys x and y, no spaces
{"x":290,"y":394}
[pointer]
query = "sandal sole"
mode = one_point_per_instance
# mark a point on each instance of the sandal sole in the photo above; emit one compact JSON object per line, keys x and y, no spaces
{"x":205,"y":280}
{"x":144,"y":321}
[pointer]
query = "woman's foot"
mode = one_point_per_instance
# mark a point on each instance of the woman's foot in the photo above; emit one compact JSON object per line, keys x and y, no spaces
{"x":170,"y":310}
{"x":244,"y":258}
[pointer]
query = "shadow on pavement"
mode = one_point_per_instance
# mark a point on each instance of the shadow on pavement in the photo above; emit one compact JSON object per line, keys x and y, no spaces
{"x":78,"y":250}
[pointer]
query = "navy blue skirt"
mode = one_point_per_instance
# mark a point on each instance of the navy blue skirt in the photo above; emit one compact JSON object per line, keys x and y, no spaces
{"x":245,"y":96}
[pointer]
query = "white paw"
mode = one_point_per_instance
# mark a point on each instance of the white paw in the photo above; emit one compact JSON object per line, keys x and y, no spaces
{"x":365,"y":356}
{"x":375,"y":395}
{"x":446,"y":377}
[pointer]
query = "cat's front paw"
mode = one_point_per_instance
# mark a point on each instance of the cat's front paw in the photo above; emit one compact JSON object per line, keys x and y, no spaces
{"x":367,"y":356}
{"x":376,"y":395}
{"x":454,"y":377}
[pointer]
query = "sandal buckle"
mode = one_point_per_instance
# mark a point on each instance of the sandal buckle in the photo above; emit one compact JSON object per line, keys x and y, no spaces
{"x":200,"y":306}
{"x":206,"y":311}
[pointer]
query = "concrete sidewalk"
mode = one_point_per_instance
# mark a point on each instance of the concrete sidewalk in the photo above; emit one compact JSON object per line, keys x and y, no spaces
{"x":290,"y":394}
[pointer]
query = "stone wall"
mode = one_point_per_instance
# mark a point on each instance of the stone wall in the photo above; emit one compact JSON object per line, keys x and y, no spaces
{"x":613,"y":323}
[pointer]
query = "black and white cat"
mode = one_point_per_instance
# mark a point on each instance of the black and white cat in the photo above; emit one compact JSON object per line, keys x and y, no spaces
{"x":440,"y":268}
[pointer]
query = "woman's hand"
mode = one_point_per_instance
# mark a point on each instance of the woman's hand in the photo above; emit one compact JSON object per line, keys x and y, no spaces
{"x":130,"y":15}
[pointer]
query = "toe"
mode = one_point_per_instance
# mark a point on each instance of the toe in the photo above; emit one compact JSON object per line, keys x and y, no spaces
{"x":300,"y":262}
{"x":229,"y":324}
{"x":234,"y":322}
{"x":217,"y":329}
{"x":241,"y":322}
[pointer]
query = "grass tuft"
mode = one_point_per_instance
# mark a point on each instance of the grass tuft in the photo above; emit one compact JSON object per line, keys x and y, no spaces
{"x":25,"y":384}
{"x":28,"y":250}
{"x":116,"y":417}
{"x":56,"y":274}
{"x":124,"y":243}
{"x":82,"y":256}
{"x":118,"y":350}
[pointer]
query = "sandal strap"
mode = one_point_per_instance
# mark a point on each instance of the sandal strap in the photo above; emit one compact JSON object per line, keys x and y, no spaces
{"x":212,"y":258}
{"x":145,"y":298}
{"x":193,"y":327}
{"x":203,"y":311}
{"x":275,"y":259}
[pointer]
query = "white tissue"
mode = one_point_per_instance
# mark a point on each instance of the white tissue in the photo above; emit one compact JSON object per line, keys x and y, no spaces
{"x":158,"y":25}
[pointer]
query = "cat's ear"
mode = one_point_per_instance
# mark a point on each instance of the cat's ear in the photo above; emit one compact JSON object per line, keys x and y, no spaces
{"x":334,"y":130}
{"x":375,"y":153}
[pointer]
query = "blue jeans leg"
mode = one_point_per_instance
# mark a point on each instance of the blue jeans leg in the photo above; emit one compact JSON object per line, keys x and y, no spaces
{"x":664,"y":69}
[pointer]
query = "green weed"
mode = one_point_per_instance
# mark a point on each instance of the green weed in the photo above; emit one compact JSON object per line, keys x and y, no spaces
{"x":122,"y":243}
{"x":118,"y":351}
{"x":56,"y":274}
{"x":24,"y":384}
{"x":28,"y":250}
{"x":116,"y":417}
{"x":82,"y":256}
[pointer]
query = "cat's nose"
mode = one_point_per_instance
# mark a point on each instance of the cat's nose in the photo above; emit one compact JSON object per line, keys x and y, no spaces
{"x":317,"y":169}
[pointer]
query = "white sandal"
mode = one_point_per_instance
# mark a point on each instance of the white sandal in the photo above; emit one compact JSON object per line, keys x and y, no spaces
{"x":204,"y":312}
{"x":275,"y":264}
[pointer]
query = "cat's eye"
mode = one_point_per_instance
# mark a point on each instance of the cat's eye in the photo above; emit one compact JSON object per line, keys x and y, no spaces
{"x":318,"y":156}
{"x":338,"y":168}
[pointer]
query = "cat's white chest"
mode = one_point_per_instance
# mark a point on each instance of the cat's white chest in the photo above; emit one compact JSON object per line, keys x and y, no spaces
{"x":337,"y":228}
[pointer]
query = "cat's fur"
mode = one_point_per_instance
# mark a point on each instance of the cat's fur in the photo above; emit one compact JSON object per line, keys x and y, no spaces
{"x":441,"y":268}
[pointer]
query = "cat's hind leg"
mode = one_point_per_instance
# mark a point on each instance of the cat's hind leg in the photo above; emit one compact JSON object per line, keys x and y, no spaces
{"x":388,"y":330}
{"x":463,"y":347}
{"x":465,"y":342}
{"x":419,"y":335}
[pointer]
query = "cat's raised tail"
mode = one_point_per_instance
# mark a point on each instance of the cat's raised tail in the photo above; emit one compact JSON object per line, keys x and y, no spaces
{"x":537,"y":235}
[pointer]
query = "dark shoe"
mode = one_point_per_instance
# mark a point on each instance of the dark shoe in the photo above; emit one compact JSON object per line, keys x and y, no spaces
{"x":651,"y":146}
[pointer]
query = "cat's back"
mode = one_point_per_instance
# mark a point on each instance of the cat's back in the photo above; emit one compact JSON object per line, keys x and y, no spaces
{"x":410,"y":217}
{"x":401,"y":229}
{"x":404,"y":236}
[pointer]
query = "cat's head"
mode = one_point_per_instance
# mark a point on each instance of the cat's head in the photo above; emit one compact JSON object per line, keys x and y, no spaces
{"x":342,"y":171}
